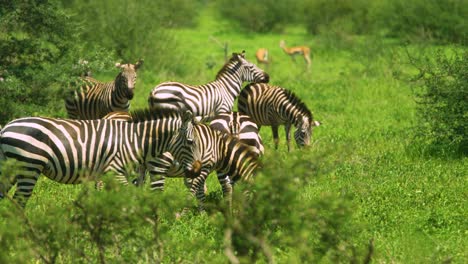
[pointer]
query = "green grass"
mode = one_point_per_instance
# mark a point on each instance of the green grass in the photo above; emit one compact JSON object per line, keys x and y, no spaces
{"x":364,"y":157}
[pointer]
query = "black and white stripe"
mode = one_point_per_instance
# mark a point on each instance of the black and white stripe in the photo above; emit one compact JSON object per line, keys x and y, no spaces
{"x":220,"y":152}
{"x":68,"y":151}
{"x":274,"y":106}
{"x":205,"y":101}
{"x":241,"y":127}
{"x":96,"y":99}
{"x":213,"y":150}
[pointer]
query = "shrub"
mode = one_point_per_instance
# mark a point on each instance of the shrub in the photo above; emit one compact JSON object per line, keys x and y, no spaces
{"x":442,"y":98}
{"x":424,"y":20}
{"x":39,"y":55}
{"x":275,"y":216}
{"x":258,"y":16}
{"x":337,"y":16}
{"x":135,"y":29}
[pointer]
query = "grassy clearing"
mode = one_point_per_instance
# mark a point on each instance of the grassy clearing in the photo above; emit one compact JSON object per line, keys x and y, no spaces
{"x":363,"y":157}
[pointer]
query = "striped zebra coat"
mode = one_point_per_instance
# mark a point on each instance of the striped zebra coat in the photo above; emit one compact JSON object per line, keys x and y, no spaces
{"x":206,"y":101}
{"x":212,"y":150}
{"x":94,"y":99}
{"x":220,"y":152}
{"x":241,"y":127}
{"x":274,"y":106}
{"x":68,"y":151}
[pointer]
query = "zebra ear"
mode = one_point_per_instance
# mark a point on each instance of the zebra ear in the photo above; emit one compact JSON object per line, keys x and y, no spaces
{"x":243,"y":54}
{"x":316,"y":123}
{"x":118,"y":64}
{"x":139,"y":63}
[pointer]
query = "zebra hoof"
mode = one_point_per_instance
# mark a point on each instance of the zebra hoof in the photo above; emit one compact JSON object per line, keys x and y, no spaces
{"x":135,"y":182}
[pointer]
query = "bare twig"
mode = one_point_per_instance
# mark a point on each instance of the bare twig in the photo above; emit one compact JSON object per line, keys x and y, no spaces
{"x":228,"y":250}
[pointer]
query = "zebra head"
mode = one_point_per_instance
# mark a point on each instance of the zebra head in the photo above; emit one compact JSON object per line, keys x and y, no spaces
{"x":250,"y":72}
{"x":127,"y":78}
{"x":303,"y":131}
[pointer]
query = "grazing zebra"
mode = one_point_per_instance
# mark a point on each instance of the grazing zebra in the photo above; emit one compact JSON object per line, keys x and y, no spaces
{"x":220,"y":152}
{"x":205,"y":101}
{"x":67,"y":150}
{"x":241,"y":127}
{"x":95,"y":99}
{"x":274,"y":106}
{"x":213,"y":150}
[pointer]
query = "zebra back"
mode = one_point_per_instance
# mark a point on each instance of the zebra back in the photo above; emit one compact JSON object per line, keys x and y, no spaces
{"x":95,"y":99}
{"x":207,"y":100}
{"x":239,"y":126}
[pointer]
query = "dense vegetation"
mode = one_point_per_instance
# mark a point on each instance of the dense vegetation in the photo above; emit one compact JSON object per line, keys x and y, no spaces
{"x":385,"y":177}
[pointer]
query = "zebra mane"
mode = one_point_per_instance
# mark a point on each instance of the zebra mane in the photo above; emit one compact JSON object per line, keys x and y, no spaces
{"x":228,"y":65}
{"x":147,"y":114}
{"x":296,"y":101}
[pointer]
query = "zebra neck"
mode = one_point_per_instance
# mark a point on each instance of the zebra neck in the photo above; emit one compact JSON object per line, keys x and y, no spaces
{"x":231,"y":82}
{"x":120,"y":91}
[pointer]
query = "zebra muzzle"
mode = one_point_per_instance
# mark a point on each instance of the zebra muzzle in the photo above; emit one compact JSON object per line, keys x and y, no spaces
{"x":195,"y":171}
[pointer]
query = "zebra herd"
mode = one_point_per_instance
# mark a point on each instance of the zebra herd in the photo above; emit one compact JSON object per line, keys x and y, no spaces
{"x":171,"y":138}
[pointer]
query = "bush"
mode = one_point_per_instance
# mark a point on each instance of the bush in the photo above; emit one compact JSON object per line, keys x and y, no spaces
{"x":442,"y":98}
{"x":275,"y":216}
{"x":39,"y":55}
{"x":128,"y":224}
{"x":135,"y":29}
{"x":425,"y":20}
{"x":258,"y":16}
{"x":337,"y":16}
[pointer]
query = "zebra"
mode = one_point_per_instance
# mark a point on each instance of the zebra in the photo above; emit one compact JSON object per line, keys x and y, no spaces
{"x":212,"y":150}
{"x":241,"y":127}
{"x":95,"y":99}
{"x":205,"y":101}
{"x":274,"y":106}
{"x":68,"y":151}
{"x":223,"y":153}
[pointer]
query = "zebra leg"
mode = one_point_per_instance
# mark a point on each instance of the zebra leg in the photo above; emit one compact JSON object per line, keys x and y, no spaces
{"x":287,"y":130}
{"x":227,"y":188}
{"x":25,"y":185}
{"x":141,"y":176}
{"x":197,"y":187}
{"x":159,"y":166}
{"x":274,"y":130}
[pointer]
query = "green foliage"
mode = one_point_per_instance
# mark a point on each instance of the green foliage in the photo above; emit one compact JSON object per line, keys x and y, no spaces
{"x":337,"y":16}
{"x":136,"y":29}
{"x":121,"y":223}
{"x":442,"y":98}
{"x":361,"y":179}
{"x":275,"y":215}
{"x":39,"y":55}
{"x":424,"y":20}
{"x":258,"y":16}
{"x":418,"y":20}
{"x":411,"y":20}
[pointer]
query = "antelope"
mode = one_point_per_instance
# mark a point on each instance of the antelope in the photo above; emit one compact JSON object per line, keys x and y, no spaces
{"x":262,"y":56}
{"x":298,"y":50}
